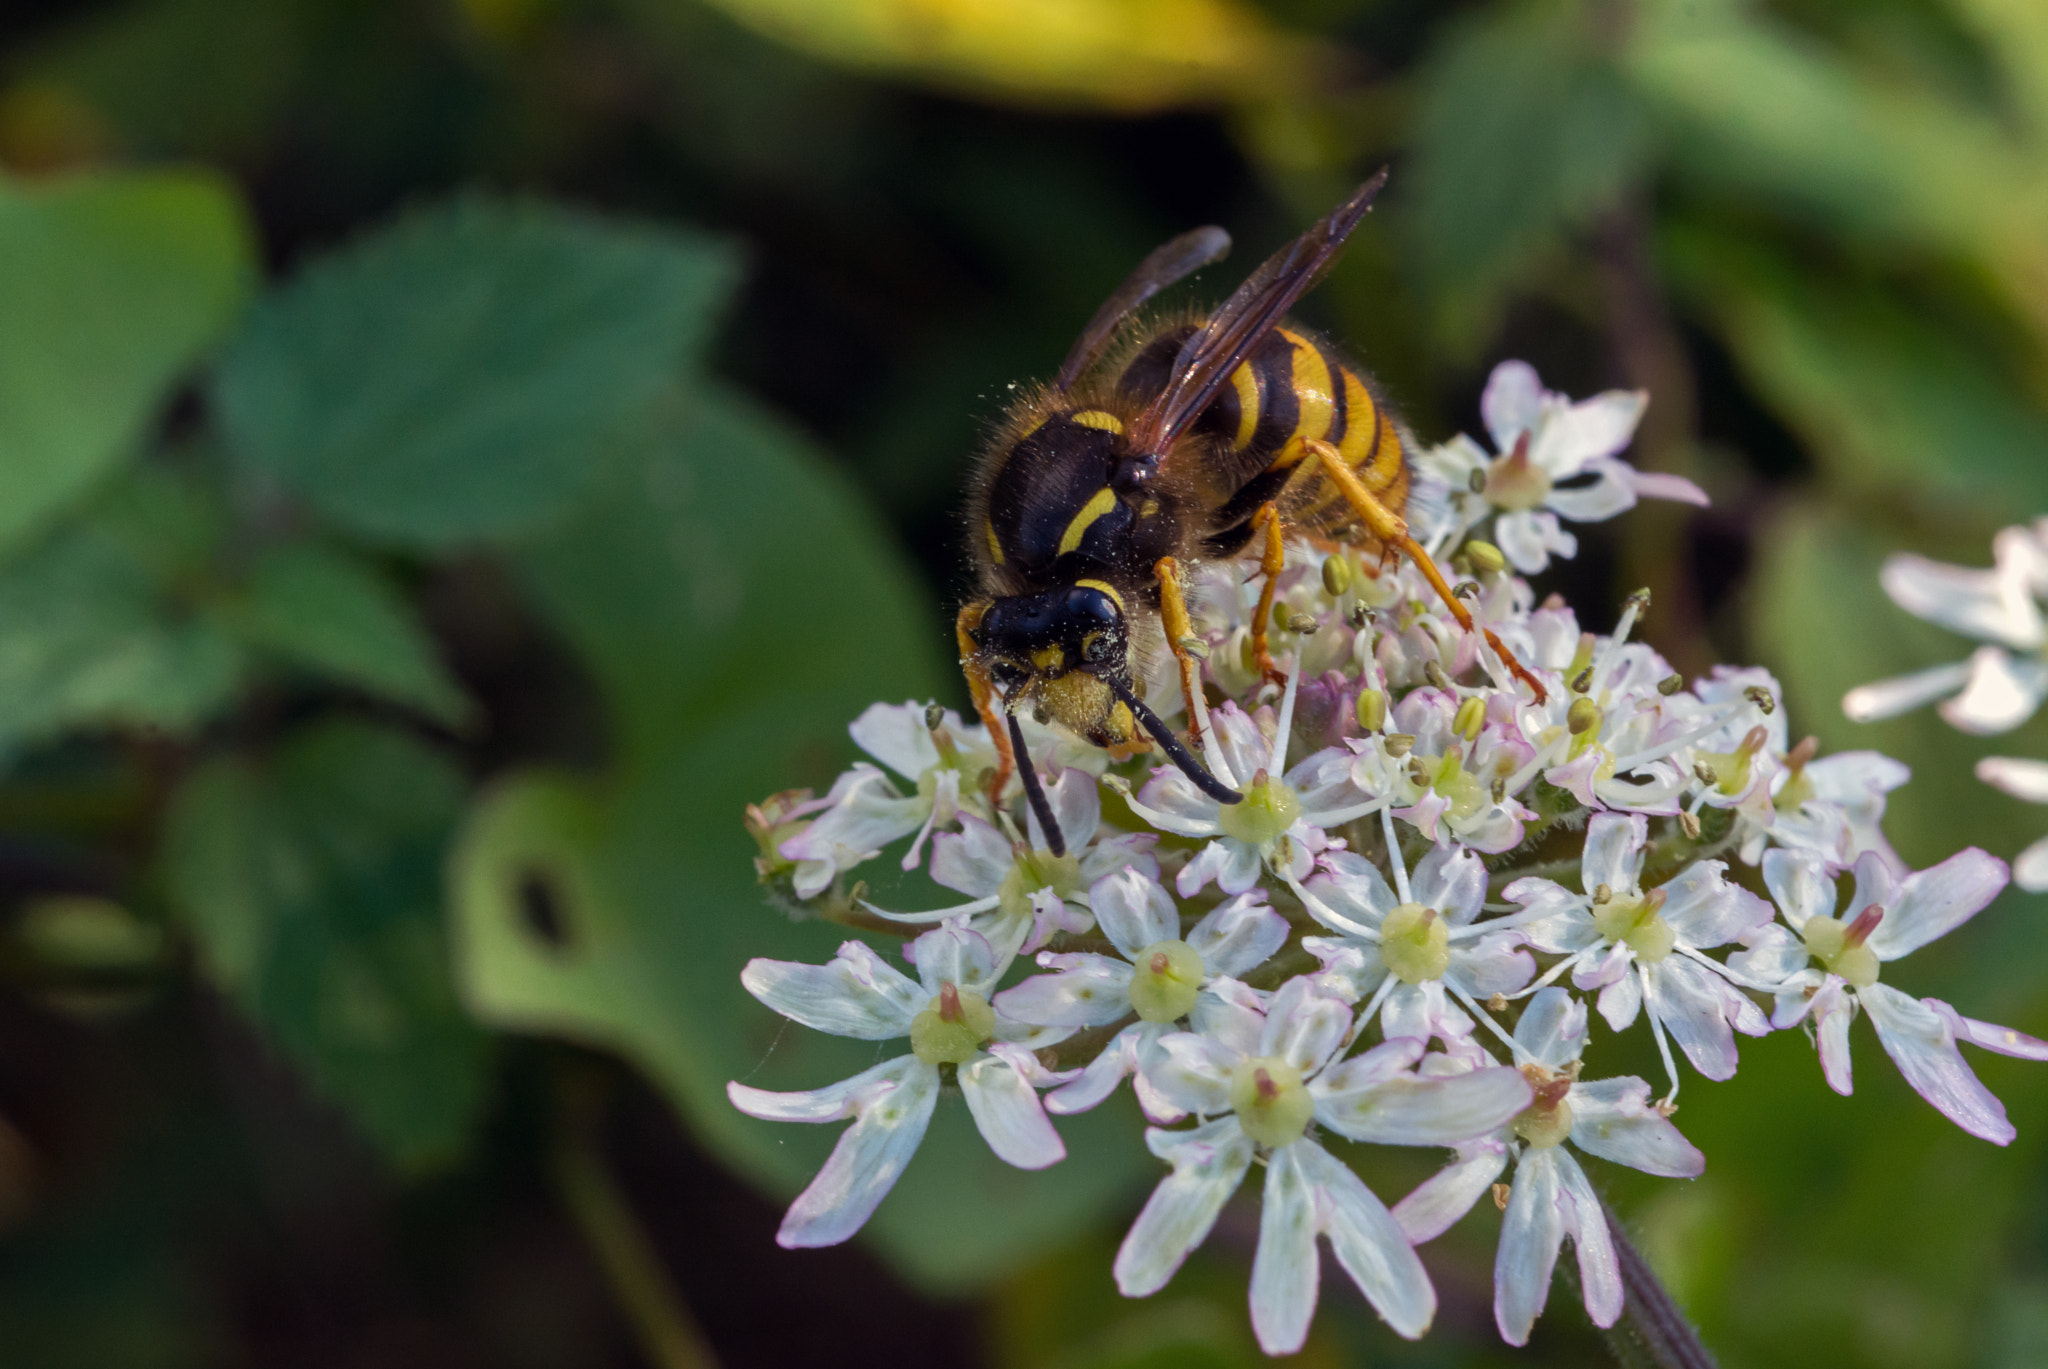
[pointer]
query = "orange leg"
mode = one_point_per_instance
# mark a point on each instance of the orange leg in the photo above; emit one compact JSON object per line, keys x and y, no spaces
{"x":1392,"y":531}
{"x":1271,"y":563}
{"x":984,"y":695}
{"x":1173,"y":615}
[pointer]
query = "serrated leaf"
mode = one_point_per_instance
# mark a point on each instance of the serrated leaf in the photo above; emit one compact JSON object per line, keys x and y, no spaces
{"x":462,"y":374}
{"x":319,"y":609}
{"x":311,"y":883}
{"x":111,"y":289}
{"x":738,"y":609}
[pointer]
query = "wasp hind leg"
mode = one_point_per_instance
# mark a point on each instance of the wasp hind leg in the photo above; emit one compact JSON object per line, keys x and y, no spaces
{"x":1271,"y":562}
{"x":1392,"y":531}
{"x":984,"y":695}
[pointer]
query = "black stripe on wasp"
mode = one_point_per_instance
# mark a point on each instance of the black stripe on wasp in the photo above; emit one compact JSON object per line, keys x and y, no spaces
{"x":1199,"y":439}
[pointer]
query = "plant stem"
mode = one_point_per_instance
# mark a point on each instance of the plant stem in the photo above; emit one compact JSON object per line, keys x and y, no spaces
{"x":1653,"y":1332}
{"x":668,"y":1334}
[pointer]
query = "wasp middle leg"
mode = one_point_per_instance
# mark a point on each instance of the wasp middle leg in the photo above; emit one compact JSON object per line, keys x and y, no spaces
{"x":984,"y":695}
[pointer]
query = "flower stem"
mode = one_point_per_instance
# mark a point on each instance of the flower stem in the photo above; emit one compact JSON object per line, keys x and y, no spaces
{"x":668,"y":1334}
{"x":1653,"y":1332}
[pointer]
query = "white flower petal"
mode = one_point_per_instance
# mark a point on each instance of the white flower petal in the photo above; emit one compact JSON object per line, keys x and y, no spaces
{"x":1576,"y":434}
{"x":1303,"y":1026}
{"x":2023,"y":779}
{"x":1552,"y":1028}
{"x":1440,"y":1200}
{"x":1936,"y":901}
{"x":1614,"y":851}
{"x":1586,"y":1221}
{"x":1133,"y":911}
{"x":1613,"y":1119}
{"x":1368,"y":1243}
{"x":891,"y":1105}
{"x":1992,"y":1037}
{"x":1491,"y":964}
{"x":1410,"y":1111}
{"x":1903,"y":693}
{"x":975,"y":860}
{"x":955,"y":954}
{"x":1451,"y":880}
{"x":1622,"y":997}
{"x":1831,"y":1018}
{"x":1705,"y":910}
{"x":1087,"y":991}
{"x":1076,"y":806}
{"x":1802,"y":884}
{"x":1351,"y":895}
{"x":1773,"y":956}
{"x":1285,"y":1271}
{"x":1527,"y":539}
{"x":1657,"y":485}
{"x":1191,"y":1071}
{"x":1991,"y":604}
{"x":1531,"y":1233}
{"x":1209,"y":1163}
{"x":1693,"y":1005}
{"x":854,"y":994}
{"x":2030,"y":868}
{"x":1232,"y":864}
{"x":1609,"y":492}
{"x":1511,"y":402}
{"x":1099,"y":1078}
{"x":1922,"y":1044}
{"x":1238,"y":935}
{"x":1007,"y":1110}
{"x":2002,"y":693}
{"x":895,"y":735}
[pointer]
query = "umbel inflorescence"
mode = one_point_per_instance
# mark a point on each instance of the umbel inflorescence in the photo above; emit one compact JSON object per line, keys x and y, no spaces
{"x":1401,"y":936}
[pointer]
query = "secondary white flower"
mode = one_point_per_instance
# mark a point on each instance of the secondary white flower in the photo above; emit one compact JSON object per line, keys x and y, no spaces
{"x":1551,"y":1198}
{"x":1831,"y":968}
{"x":1555,"y":459}
{"x":2023,"y":780}
{"x":1641,"y":947}
{"x":1455,"y":762}
{"x":1262,"y":1079}
{"x":1162,"y":977}
{"x":2000,"y":686}
{"x":864,"y":812}
{"x":949,"y":1021}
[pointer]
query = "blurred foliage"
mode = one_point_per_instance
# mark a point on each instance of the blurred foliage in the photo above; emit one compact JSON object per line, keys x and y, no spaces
{"x":454,"y":453}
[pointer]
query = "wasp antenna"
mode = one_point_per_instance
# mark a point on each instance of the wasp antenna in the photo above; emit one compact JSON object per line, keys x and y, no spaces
{"x":1175,"y":752}
{"x":1035,"y":792}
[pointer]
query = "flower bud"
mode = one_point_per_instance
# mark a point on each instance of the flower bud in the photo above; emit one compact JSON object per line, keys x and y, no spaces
{"x":1583,"y":716}
{"x":1372,"y":709}
{"x":1486,"y":557}
{"x":1337,"y":573}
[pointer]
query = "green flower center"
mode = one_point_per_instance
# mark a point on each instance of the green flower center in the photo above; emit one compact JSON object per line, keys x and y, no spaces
{"x":953,"y":1028}
{"x":1636,"y":921}
{"x":1416,"y":943}
{"x":1169,"y":974}
{"x":1269,"y":808}
{"x":1271,"y":1102}
{"x":1515,"y":482}
{"x":1038,"y":870}
{"x":1840,"y":947}
{"x":1548,"y":1120}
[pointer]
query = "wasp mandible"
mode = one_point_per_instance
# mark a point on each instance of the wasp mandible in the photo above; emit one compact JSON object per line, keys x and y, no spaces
{"x":1100,"y":491}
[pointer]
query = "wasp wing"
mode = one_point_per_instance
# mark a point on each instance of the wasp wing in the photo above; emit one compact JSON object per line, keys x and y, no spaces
{"x":1221,"y":344}
{"x":1185,"y":255}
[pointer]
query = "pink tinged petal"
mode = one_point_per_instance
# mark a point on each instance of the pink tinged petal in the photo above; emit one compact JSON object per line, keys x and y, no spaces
{"x":1424,"y":814}
{"x":1099,"y":1078}
{"x":1991,"y":604}
{"x":1609,"y":967}
{"x":895,"y":735}
{"x":1613,"y":1119}
{"x":974,"y":861}
{"x":1238,"y":936}
{"x":2002,"y":693}
{"x":1511,"y":403}
{"x":1353,"y":895}
{"x":1657,"y":485}
{"x":2023,"y":779}
{"x":1133,"y":911}
{"x":2030,"y":868}
{"x":1209,"y":1163}
{"x":1587,"y":430}
{"x":1221,"y":860}
{"x":1802,"y":884}
{"x":1705,"y":910}
{"x":1285,"y":1271}
{"x":1922,"y":1044}
{"x":1191,"y":1072}
{"x":1232,"y":1014}
{"x":1352,"y":969}
{"x":1992,"y":1037}
{"x":1694,"y":1005}
{"x":1440,"y":1200}
{"x":955,"y":954}
{"x":1833,"y":1010}
{"x":1170,"y":802}
{"x":1903,"y":693}
{"x":1532,"y":1231}
{"x":1552,"y":1028}
{"x":1614,"y":851}
{"x":1452,"y":881}
{"x":1303,"y":1026}
{"x":1492,"y":964}
{"x":1368,"y":1243}
{"x":1410,"y":1111}
{"x":1610,"y":492}
{"x":1774,"y":955}
{"x":1622,"y":999}
{"x":1562,"y":924}
{"x":1007,"y":1110}
{"x":1936,"y":901}
{"x":891,"y":1105}
{"x":1075,"y":805}
{"x":1586,"y":1219}
{"x":1527,"y":539}
{"x":854,"y":994}
{"x":1088,"y":991}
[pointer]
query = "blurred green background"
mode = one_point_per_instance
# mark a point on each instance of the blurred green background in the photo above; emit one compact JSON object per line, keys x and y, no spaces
{"x":455,"y":453}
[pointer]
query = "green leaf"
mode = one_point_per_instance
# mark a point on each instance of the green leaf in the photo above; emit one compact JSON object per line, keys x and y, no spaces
{"x":1524,"y":132}
{"x":111,"y":289}
{"x":319,"y":609}
{"x":738,"y":608}
{"x":1891,"y":399}
{"x":311,"y":883}
{"x":463,"y":374}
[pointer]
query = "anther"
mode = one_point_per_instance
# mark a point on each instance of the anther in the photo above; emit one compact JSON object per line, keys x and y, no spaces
{"x":1761,"y":697}
{"x":934,"y":717}
{"x":1689,"y":824}
{"x":1336,"y":574}
{"x":1671,"y":684}
{"x":1582,"y":681}
{"x":1475,"y":481}
{"x":1300,"y":622}
{"x":1465,"y":589}
{"x":1358,"y":617}
{"x":1195,"y":647}
{"x":1603,"y":894}
{"x":1639,"y":601}
{"x":1486,"y":557}
{"x":1470,"y":717}
{"x":1704,"y":773}
{"x":1434,"y":673}
{"x":1400,"y":744}
{"x":1372,"y":709}
{"x":1582,"y":717}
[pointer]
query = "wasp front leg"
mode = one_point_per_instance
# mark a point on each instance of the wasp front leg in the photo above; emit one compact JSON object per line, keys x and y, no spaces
{"x":984,"y":695}
{"x":1180,"y":630}
{"x":1271,"y":563}
{"x":1392,"y":532}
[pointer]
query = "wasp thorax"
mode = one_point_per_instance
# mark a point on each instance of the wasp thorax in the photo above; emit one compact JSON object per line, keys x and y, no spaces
{"x":1168,"y":976}
{"x":953,"y":1028}
{"x":1272,"y":1104}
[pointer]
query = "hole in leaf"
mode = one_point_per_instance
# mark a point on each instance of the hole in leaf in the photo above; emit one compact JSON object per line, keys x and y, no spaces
{"x":540,"y":908}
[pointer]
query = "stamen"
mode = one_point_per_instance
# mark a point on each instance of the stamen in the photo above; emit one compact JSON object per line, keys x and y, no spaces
{"x":1278,"y":763}
{"x":1394,"y":859}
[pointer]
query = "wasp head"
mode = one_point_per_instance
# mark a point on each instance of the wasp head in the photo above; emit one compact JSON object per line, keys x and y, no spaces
{"x":1067,"y":652}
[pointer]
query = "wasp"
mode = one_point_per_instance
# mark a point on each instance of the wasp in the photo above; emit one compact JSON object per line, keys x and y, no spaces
{"x":1196,"y":440}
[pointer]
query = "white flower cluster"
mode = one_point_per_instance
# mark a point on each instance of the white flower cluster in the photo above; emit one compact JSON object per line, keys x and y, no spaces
{"x":1395,"y":937}
{"x":2001,"y":685}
